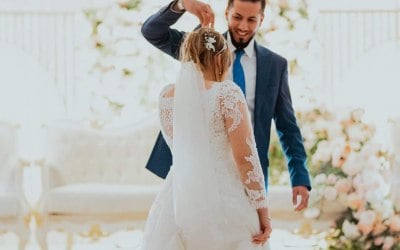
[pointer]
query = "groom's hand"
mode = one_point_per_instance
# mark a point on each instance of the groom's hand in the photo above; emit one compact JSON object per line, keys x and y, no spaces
{"x":304,"y":194}
{"x":202,"y":10}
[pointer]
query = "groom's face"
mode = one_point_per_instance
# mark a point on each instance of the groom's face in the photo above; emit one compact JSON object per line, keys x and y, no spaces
{"x":244,"y":18}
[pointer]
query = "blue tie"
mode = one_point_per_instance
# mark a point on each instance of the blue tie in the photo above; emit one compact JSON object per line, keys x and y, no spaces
{"x":238,"y":73}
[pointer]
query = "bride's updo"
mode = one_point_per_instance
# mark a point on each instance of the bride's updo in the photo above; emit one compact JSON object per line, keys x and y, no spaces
{"x":209,"y":51}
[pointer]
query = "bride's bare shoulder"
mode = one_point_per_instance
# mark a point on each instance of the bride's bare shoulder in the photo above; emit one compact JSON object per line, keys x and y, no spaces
{"x":168,"y":91}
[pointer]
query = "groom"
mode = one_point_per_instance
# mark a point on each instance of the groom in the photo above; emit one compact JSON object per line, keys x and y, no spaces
{"x":261,"y":74}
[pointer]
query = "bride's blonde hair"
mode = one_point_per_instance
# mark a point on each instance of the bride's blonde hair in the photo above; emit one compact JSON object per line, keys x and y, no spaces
{"x":209,"y":51}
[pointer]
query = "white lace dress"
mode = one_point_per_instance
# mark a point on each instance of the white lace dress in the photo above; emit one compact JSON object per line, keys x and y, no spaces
{"x":240,"y":187}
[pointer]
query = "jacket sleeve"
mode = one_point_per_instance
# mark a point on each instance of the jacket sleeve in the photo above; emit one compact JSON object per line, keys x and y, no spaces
{"x":157,"y":30}
{"x":290,"y":135}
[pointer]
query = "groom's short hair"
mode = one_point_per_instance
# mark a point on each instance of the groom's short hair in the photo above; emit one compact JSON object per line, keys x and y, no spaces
{"x":263,"y":3}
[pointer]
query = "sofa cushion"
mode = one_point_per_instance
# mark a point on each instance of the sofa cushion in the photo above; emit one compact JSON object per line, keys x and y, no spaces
{"x":77,"y":153}
{"x":9,"y":204}
{"x":100,"y":198}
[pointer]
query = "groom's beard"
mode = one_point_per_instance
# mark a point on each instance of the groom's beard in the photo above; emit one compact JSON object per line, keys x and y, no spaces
{"x":241,"y":44}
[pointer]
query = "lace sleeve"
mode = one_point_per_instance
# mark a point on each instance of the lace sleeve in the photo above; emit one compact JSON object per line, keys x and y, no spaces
{"x":238,"y":125}
{"x":166,"y":105}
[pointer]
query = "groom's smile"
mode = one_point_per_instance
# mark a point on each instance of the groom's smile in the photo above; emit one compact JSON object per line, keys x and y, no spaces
{"x":244,"y":19}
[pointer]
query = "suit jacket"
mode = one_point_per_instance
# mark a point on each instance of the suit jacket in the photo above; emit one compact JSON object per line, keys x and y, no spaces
{"x":272,"y":101}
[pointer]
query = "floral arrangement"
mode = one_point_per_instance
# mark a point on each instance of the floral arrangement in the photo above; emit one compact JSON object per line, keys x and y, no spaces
{"x":124,"y":73}
{"x":285,"y":21}
{"x":350,"y":169}
{"x":346,"y":165}
{"x":120,"y":61}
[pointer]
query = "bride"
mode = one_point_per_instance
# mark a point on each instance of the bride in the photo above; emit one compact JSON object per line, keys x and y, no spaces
{"x":214,"y":197}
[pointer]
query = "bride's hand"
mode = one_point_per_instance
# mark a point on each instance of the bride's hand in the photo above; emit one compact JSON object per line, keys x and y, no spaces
{"x":265,"y":227}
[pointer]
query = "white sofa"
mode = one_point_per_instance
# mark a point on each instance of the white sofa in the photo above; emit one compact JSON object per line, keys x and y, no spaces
{"x":14,"y":209}
{"x":94,"y":180}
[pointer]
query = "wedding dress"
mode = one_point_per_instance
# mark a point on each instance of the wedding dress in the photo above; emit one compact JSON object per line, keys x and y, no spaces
{"x":210,"y":196}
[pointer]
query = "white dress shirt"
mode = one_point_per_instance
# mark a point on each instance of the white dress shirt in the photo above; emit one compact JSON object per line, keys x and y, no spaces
{"x":249,"y":64}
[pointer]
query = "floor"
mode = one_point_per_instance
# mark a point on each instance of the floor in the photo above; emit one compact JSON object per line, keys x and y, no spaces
{"x":130,"y":240}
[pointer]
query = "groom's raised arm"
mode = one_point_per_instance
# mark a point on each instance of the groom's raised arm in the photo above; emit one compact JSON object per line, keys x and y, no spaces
{"x":157,"y":30}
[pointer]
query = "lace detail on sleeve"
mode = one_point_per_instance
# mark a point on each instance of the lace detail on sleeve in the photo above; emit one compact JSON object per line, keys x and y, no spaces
{"x":166,"y":105}
{"x":231,"y":98}
{"x":254,"y":184}
{"x":240,"y":132}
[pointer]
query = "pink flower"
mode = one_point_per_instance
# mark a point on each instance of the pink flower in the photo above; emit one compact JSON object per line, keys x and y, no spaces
{"x":366,"y":221}
{"x":378,"y":229}
{"x":354,"y":201}
{"x":350,"y":230}
{"x":343,"y":185}
{"x":394,"y":223}
{"x":378,"y":241}
{"x":388,"y":243}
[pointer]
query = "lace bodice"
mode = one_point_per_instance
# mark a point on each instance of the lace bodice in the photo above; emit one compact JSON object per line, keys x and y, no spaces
{"x":231,"y":136}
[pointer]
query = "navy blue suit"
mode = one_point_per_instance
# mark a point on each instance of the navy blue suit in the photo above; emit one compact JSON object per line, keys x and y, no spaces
{"x":272,"y":101}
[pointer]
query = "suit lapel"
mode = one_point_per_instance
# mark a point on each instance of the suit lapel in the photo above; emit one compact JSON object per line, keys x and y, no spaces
{"x":262,"y":78}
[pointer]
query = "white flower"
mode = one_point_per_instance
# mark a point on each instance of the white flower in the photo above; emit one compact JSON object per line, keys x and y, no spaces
{"x":366,"y":221}
{"x":374,"y":196}
{"x":321,"y":124}
{"x":292,"y":15}
{"x":357,"y":114}
{"x":312,"y":212}
{"x":356,"y":133}
{"x":384,"y":208}
{"x":320,"y":179}
{"x":294,"y":4}
{"x":332,"y":179}
{"x":323,"y":152}
{"x":343,"y":185}
{"x":353,"y":165}
{"x":370,"y":149}
{"x":373,"y":162}
{"x":335,"y":132}
{"x":308,"y":133}
{"x":356,"y":146}
{"x":373,"y":180}
{"x":330,"y":193}
{"x":280,"y":23}
{"x":350,"y":230}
